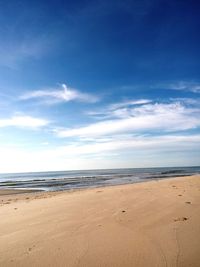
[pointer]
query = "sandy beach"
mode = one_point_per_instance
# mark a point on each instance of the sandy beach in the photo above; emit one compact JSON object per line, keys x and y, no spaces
{"x":155,"y":223}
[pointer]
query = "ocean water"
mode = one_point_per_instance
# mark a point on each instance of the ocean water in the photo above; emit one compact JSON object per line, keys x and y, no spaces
{"x":68,"y":180}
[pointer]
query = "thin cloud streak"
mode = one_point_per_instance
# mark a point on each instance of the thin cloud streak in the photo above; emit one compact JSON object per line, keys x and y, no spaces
{"x":129,"y":103}
{"x":127,"y":108}
{"x":118,"y":110}
{"x":65,"y":94}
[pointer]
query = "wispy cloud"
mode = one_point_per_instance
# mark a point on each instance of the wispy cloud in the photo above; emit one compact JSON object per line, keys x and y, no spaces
{"x":150,"y":117}
{"x":185,"y":86}
{"x":24,"y":122}
{"x":63,"y":94}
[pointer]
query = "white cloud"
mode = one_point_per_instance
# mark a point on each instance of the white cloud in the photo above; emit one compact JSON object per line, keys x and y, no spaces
{"x":63,"y":94}
{"x":123,"y":140}
{"x":162,"y":117}
{"x":23,"y":121}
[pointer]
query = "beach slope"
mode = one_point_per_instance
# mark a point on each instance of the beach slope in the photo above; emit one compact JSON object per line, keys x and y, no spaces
{"x":155,"y":223}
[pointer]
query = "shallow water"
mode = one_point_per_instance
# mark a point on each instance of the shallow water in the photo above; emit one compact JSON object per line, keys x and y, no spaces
{"x":66,"y":180}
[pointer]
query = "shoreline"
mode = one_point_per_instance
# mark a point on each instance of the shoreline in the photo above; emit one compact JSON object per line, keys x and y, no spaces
{"x":13,"y":191}
{"x":67,"y":180}
{"x":141,"y":224}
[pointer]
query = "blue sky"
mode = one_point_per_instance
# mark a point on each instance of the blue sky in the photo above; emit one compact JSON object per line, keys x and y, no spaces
{"x":99,"y":84}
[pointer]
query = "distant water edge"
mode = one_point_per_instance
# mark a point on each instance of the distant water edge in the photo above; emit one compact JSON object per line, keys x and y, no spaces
{"x":66,"y":180}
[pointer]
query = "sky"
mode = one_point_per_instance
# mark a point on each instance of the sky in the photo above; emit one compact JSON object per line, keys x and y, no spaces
{"x":99,"y":84}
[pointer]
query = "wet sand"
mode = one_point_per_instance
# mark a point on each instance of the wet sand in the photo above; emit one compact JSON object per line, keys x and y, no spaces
{"x":9,"y":192}
{"x":155,"y":223}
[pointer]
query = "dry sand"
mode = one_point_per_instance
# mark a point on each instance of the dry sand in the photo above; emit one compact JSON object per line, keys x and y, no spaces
{"x":150,"y":224}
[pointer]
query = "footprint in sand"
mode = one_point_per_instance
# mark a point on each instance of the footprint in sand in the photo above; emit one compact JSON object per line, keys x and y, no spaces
{"x":188,"y":202}
{"x":181,"y":219}
{"x":30,"y":249}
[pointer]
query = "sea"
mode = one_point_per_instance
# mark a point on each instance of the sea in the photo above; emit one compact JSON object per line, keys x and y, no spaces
{"x":71,"y":180}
